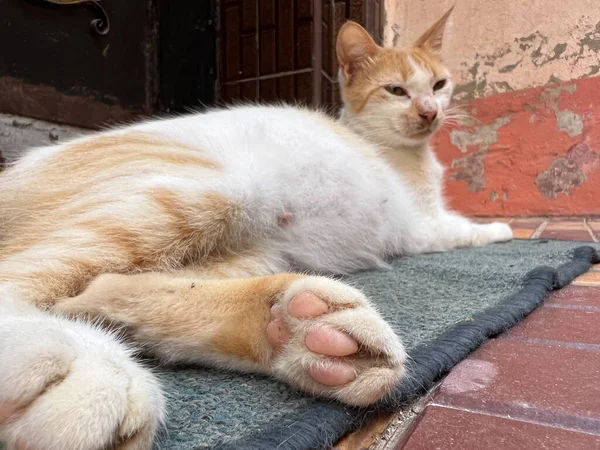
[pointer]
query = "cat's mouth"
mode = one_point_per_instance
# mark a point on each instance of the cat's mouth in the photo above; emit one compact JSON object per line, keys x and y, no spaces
{"x":425,"y":132}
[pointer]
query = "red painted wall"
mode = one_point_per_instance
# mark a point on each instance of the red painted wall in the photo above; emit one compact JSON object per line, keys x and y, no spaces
{"x":528,"y":153}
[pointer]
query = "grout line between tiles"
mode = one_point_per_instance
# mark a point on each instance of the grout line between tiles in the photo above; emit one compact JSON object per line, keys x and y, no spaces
{"x":511,"y":417}
{"x":540,"y":229}
{"x":589,"y":229}
{"x":554,"y":343}
{"x":573,"y":307}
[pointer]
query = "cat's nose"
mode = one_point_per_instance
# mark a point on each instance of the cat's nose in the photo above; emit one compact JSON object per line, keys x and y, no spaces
{"x":428,"y":116}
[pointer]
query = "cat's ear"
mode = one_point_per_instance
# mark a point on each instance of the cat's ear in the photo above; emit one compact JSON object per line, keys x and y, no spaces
{"x":432,"y":39}
{"x":354,"y":46}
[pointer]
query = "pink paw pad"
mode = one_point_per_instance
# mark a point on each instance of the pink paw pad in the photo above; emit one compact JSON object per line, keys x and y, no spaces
{"x":323,"y":341}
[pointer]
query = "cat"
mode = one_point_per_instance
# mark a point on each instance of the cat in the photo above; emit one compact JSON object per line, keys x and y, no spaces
{"x":210,"y":238}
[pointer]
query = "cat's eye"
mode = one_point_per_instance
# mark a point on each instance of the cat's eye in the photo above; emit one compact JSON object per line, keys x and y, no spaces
{"x":395,"y":90}
{"x":439,"y":85}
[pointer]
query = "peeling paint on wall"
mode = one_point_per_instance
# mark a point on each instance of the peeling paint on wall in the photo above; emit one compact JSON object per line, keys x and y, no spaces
{"x":471,"y":171}
{"x":537,"y":163}
{"x":504,"y":69}
{"x":569,"y":121}
{"x":471,"y":166}
{"x":494,"y":47}
{"x":532,"y":64}
{"x":482,"y":135}
{"x":566,"y":120}
{"x":567,"y":172}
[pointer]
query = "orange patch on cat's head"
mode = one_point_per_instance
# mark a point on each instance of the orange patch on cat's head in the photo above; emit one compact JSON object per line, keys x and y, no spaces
{"x":368,"y":72}
{"x":387,"y":67}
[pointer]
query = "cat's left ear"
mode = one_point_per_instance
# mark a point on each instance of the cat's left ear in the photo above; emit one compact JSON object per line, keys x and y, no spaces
{"x":432,"y":39}
{"x":354,"y":46}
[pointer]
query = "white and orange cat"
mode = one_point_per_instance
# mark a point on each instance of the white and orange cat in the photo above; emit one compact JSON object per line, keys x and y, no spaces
{"x":196,"y":235}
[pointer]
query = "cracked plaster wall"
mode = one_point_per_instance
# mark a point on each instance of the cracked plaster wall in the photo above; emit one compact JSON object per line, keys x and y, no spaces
{"x":532,"y":152}
{"x":495,"y":46}
{"x":526,"y":74}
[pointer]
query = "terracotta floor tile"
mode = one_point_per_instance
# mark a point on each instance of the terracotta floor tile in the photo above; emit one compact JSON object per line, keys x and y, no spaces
{"x":588,"y":279}
{"x":566,"y":234}
{"x":564,"y":324}
{"x":527,"y":223}
{"x":594,"y":225}
{"x":548,"y":384}
{"x":450,"y":429}
{"x":521,"y":233}
{"x":578,"y":296}
{"x":570,"y":223}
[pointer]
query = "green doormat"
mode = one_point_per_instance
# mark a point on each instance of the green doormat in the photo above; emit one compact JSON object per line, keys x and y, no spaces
{"x":443,"y":306}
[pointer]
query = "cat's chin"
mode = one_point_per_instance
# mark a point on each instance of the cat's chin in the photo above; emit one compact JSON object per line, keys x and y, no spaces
{"x":423,"y":135}
{"x":417,"y":139}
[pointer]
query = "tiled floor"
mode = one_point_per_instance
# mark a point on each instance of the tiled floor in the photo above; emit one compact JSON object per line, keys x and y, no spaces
{"x":536,"y":386}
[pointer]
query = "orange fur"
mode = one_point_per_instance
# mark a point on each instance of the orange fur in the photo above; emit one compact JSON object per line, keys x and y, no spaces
{"x":53,"y":205}
{"x":199,"y":233}
{"x":431,"y":40}
{"x":88,"y":163}
{"x":216,"y":316}
{"x":129,"y":147}
{"x":368,"y":67}
{"x":206,"y":234}
{"x":388,"y":66}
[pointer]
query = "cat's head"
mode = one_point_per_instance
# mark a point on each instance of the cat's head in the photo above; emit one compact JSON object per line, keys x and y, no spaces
{"x":396,"y":96}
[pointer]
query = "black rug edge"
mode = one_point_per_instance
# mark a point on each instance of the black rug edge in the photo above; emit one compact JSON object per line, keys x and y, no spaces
{"x":321,"y":427}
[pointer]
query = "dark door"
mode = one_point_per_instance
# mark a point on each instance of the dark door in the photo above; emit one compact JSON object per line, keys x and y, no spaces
{"x":155,"y":56}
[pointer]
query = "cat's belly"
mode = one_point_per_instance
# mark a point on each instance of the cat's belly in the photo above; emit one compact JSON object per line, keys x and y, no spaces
{"x":336,"y":236}
{"x":331,"y":219}
{"x":322,"y":196}
{"x":332,"y":252}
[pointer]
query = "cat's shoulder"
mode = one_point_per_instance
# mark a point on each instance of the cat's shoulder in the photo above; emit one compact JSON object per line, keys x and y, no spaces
{"x":244,"y":113}
{"x":278,"y":111}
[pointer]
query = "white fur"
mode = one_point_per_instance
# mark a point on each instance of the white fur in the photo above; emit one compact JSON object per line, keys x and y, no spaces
{"x":313,"y":194}
{"x":101,"y":394}
{"x":350,"y":206}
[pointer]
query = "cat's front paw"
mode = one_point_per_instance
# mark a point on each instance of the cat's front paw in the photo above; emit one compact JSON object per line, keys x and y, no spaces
{"x":329,"y":341}
{"x":498,"y":232}
{"x":65,"y":385}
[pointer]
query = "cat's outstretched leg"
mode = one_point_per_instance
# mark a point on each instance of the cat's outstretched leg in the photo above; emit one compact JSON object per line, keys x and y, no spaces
{"x":449,"y":231}
{"x":491,"y":232}
{"x":315,"y":333}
